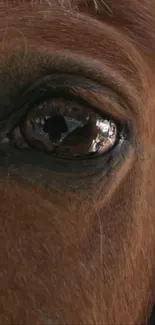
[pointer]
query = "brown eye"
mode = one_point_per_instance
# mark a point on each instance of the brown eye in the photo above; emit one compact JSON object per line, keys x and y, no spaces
{"x":66,"y":128}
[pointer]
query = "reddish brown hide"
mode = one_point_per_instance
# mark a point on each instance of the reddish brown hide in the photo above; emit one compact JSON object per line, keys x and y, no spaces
{"x":81,"y":255}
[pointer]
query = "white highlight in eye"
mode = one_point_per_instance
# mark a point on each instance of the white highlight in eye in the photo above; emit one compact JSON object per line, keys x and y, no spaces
{"x":106,"y":136}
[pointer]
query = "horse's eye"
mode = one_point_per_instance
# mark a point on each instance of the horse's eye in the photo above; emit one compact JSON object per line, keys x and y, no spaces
{"x":66,"y":128}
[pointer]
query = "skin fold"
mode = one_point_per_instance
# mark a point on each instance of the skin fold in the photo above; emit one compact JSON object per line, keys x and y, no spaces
{"x":77,"y":247}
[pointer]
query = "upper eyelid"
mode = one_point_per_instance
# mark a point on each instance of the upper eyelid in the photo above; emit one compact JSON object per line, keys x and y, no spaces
{"x":95,"y":70}
{"x":104,"y":100}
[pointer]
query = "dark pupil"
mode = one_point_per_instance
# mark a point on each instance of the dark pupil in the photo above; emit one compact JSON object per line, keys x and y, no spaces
{"x":55,"y":126}
{"x":68,"y":134}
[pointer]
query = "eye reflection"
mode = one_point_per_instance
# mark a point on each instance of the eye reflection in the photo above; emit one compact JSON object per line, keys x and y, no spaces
{"x":65,"y":128}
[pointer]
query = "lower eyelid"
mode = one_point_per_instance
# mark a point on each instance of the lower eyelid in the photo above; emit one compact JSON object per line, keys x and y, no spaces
{"x":51,"y":172}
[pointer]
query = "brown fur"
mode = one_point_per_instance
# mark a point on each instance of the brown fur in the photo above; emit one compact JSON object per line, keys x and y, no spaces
{"x":84,"y":256}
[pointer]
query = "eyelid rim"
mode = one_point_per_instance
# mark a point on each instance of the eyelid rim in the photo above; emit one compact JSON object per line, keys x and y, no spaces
{"x":87,"y":89}
{"x":61,"y":166}
{"x":72,"y":84}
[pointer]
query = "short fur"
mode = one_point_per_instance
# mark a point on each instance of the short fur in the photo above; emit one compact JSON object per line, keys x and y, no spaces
{"x":83,"y":257}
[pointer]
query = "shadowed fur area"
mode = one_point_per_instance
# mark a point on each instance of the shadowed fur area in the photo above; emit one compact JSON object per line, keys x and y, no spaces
{"x":78,"y":248}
